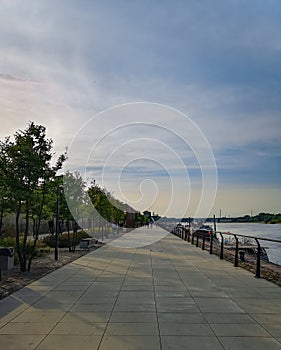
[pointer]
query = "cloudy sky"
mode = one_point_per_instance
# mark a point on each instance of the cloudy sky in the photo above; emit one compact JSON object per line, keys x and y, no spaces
{"x":217,"y":63}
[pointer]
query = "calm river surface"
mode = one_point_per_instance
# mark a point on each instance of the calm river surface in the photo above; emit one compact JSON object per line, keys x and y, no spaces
{"x":258,"y":230}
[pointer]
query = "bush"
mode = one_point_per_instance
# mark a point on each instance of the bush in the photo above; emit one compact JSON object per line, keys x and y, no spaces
{"x":63,"y":241}
{"x":40,"y":248}
{"x":8,"y":242}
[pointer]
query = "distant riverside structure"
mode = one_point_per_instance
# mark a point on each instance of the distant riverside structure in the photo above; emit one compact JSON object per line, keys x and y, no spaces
{"x":130,"y":221}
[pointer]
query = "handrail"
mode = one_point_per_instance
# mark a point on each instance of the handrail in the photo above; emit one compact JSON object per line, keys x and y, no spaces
{"x":254,"y":237}
{"x":185,"y":233}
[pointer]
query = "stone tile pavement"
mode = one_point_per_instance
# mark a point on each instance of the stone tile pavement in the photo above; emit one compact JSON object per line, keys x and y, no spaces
{"x":168,"y":295}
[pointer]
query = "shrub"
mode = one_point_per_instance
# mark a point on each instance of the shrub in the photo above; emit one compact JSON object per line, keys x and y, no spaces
{"x":40,"y":248}
{"x":63,"y":240}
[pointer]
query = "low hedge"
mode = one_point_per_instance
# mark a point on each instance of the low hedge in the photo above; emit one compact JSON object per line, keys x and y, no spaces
{"x":40,"y":248}
{"x":63,"y":239}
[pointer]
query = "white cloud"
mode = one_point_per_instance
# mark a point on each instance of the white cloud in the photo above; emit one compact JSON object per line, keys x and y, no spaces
{"x":60,"y":65}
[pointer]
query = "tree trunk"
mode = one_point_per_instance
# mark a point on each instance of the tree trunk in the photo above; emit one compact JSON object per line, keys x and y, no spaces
{"x":35,"y":239}
{"x":68,"y":234}
{"x":1,"y":218}
{"x":24,"y":244}
{"x":18,"y":235}
{"x":37,"y":228}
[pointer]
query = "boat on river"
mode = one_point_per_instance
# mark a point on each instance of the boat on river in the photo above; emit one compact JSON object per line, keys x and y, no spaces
{"x":246,"y":246}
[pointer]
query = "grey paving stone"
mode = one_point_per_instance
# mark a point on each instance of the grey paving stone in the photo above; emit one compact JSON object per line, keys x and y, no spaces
{"x":70,"y":342}
{"x":48,"y":304}
{"x":95,"y":317}
{"x":225,"y":318}
{"x":139,"y":301}
{"x":171,"y":293}
{"x":133,"y":317}
{"x":190,"y":343}
{"x":249,"y":343}
{"x":273,"y":329}
{"x":64,"y":297}
{"x":186,"y":308}
{"x":10,"y":307}
{"x":259,"y":305}
{"x":267,"y":318}
{"x":136,"y":295}
{"x":142,"y":342}
{"x":22,"y":342}
{"x":39,"y":316}
{"x":217,"y":305}
{"x":132,"y":329}
{"x":27,"y":328}
{"x":95,"y":300}
{"x":79,"y":328}
{"x":124,"y":307}
{"x":203,"y":330}
{"x":92,"y":307}
{"x":137,"y":287}
{"x":239,"y":330}
{"x":181,"y":317}
{"x":175,"y":300}
{"x":73,"y":286}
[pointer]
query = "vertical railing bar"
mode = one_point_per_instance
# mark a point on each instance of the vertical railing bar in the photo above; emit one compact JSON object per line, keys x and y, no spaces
{"x":211,"y":242}
{"x":258,"y":266}
{"x":203,"y":243}
{"x":236,"y":251}
{"x":222,"y":242}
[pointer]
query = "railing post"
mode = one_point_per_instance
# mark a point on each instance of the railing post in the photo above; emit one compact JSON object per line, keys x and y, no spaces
{"x":236,"y":251}
{"x":215,"y":225}
{"x":222,"y":241}
{"x":192,"y":238}
{"x":197,"y":240}
{"x":203,"y":243}
{"x":258,"y":267}
{"x":211,"y":242}
{"x":188,"y":235}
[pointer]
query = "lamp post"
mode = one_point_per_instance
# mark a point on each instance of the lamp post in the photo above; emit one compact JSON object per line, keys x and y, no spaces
{"x":57,"y":221}
{"x":2,"y":213}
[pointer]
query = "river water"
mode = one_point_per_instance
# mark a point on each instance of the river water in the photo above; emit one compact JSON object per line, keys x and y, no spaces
{"x":258,"y":230}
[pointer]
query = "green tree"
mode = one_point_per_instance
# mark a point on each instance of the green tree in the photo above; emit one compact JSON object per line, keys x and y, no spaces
{"x":4,"y":193}
{"x":27,"y":163}
{"x":73,"y":204}
{"x":110,"y":209}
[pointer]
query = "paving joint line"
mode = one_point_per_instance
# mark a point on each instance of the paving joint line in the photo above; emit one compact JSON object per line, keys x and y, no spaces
{"x":125,"y":275}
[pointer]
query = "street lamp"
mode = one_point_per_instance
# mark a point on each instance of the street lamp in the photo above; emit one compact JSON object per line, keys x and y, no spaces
{"x":57,"y":221}
{"x":3,"y":199}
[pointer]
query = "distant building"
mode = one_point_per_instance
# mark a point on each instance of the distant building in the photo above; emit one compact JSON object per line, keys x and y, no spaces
{"x":130,"y":221}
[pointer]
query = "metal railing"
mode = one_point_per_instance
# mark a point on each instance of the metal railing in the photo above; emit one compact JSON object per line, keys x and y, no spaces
{"x":199,"y":236}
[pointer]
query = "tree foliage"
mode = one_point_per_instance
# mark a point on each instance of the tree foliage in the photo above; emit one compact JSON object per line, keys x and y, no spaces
{"x":26,"y":162}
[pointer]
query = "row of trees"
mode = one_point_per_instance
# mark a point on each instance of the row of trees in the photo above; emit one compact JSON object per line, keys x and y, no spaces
{"x":30,"y":188}
{"x":267,"y":218}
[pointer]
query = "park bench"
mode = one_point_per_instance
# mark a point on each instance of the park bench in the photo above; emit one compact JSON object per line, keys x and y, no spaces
{"x":87,"y":243}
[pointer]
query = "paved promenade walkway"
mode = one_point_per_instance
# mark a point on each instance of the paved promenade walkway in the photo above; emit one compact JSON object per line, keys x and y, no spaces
{"x":169,"y":295}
